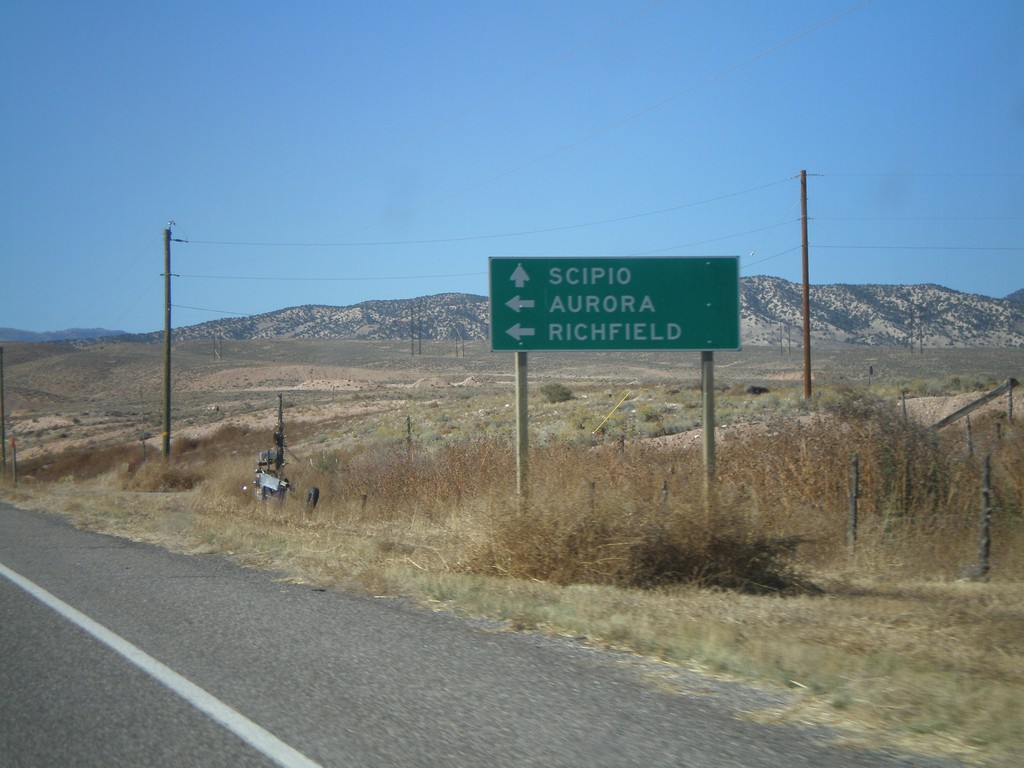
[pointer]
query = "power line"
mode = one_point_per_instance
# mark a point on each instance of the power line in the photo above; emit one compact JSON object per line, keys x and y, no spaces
{"x":618,"y":219}
{"x":330,"y":279}
{"x":635,"y":115}
{"x":108,"y":285}
{"x":495,"y":236}
{"x":917,"y":218}
{"x":474,"y":106}
{"x":714,"y":239}
{"x":924,"y":247}
{"x":215,"y":311}
{"x":587,"y":137}
{"x":982,"y":175}
{"x":769,"y":258}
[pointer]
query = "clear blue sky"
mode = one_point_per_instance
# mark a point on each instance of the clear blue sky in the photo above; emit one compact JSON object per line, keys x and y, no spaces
{"x":332,"y":152}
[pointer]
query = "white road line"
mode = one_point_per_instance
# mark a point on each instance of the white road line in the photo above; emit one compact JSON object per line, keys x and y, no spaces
{"x":258,"y":738}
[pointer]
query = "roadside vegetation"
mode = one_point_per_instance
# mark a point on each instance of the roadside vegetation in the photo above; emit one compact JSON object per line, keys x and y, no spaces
{"x":895,"y":634}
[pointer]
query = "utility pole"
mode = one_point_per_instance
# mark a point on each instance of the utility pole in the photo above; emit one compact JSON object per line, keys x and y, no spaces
{"x":279,"y":435}
{"x":167,"y":342}
{"x":807,"y":290}
{"x":3,"y":414}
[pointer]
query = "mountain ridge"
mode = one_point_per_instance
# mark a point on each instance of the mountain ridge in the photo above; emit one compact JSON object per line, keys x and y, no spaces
{"x":926,"y":315}
{"x":68,"y":334}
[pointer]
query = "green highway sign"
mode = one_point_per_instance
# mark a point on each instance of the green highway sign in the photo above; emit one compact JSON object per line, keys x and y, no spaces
{"x":593,"y":304}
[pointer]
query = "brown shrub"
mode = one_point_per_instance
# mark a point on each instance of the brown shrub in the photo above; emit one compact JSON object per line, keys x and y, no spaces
{"x":572,"y":541}
{"x":158,"y":476}
{"x":81,"y":464}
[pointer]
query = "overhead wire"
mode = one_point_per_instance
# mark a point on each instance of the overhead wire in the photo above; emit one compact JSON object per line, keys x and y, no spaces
{"x":565,"y":147}
{"x":478,"y":104}
{"x":764,"y":239}
{"x":206,"y":309}
{"x":678,"y":248}
{"x":942,"y":174}
{"x":476,"y":274}
{"x":581,"y":140}
{"x":587,"y":137}
{"x":493,"y":236}
{"x":769,"y":258}
{"x":711,"y":240}
{"x":320,"y":279}
{"x":572,"y":144}
{"x":919,"y":218}
{"x":628,"y":118}
{"x":108,"y":285}
{"x":925,"y":247}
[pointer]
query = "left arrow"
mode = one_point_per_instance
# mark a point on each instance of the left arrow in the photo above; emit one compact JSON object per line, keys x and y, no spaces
{"x":517,"y":332}
{"x":515,"y":303}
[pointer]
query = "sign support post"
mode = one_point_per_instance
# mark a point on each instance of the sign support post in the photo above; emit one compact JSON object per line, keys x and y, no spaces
{"x":614,"y":304}
{"x":707,"y":388}
{"x":522,"y":436}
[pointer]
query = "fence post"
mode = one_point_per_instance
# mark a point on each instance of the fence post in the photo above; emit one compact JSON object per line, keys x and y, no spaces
{"x":851,"y":529}
{"x":970,"y":438}
{"x":984,"y":532}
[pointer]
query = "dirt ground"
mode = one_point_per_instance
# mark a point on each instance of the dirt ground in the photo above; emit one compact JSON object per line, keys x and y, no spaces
{"x":60,"y":398}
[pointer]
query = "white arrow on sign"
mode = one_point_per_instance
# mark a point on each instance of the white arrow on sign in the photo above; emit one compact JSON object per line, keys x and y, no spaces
{"x":519,"y":276}
{"x":515,"y":303}
{"x":517,"y":332}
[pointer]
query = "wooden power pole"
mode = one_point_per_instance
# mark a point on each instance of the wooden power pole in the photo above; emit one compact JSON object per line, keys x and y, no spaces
{"x":3,"y":414}
{"x":167,"y":342}
{"x":807,"y":289}
{"x":412,"y":328}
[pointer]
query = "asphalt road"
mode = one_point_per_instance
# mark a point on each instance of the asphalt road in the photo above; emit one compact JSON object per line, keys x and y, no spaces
{"x":114,"y":653}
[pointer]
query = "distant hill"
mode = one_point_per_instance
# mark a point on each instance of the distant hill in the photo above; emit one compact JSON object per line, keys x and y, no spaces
{"x":1016,"y":295}
{"x":880,"y":315}
{"x":442,"y":316}
{"x":771,"y":312}
{"x":13,"y":334}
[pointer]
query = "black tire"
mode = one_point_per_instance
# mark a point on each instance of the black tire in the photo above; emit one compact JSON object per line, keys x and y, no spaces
{"x":312,"y":497}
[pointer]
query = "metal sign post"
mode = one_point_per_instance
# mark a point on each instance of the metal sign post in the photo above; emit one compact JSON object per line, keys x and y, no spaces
{"x":522,"y":435}
{"x":707,"y":387}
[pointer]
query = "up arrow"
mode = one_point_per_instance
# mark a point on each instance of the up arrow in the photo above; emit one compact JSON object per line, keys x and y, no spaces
{"x":519,"y":277}
{"x":515,"y":303}
{"x":517,"y":332}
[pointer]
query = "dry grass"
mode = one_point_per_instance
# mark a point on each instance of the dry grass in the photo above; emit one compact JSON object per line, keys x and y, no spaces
{"x":617,"y":542}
